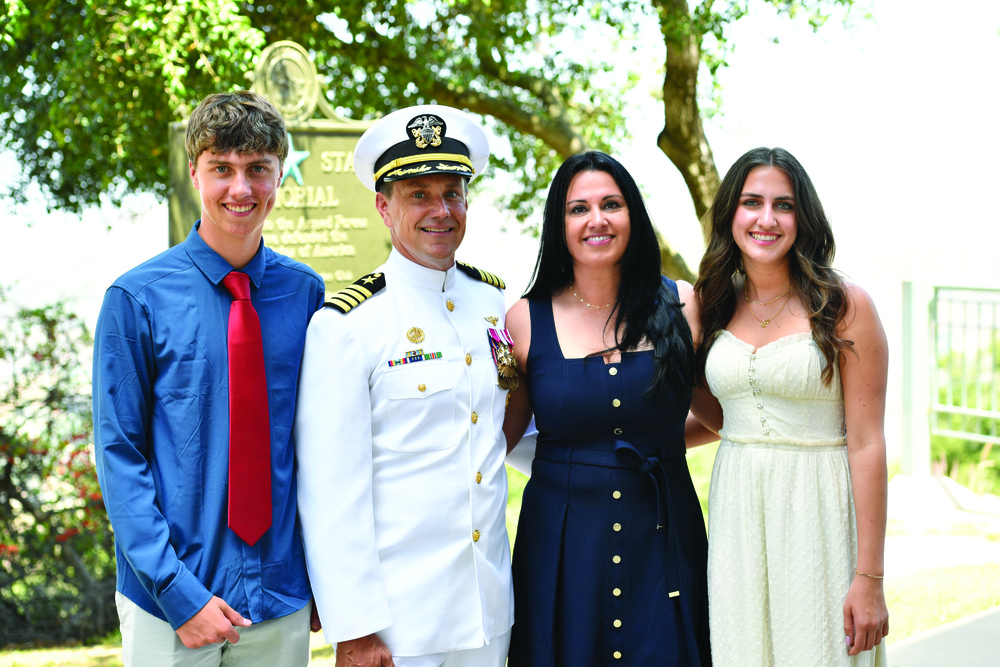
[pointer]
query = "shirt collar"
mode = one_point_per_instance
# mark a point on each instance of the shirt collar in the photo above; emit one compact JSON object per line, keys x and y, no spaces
{"x":419,"y":276}
{"x":214,"y":266}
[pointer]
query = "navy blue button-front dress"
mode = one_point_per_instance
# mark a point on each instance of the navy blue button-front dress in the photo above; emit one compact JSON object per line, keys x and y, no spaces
{"x":610,"y":557}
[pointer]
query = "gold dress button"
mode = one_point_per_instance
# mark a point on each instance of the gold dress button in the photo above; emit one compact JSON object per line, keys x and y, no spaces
{"x":475,"y":417}
{"x":468,"y":360}
{"x":613,"y":371}
{"x":450,"y":304}
{"x":617,"y":527}
{"x":616,"y":592}
{"x":421,"y":387}
{"x":616,"y":559}
{"x":475,"y":536}
{"x":616,"y":495}
{"x":479,"y":477}
{"x":616,"y":402}
{"x":618,"y":623}
{"x":618,"y":655}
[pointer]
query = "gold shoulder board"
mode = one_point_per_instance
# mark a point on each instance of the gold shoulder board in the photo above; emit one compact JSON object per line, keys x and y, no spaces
{"x":356,"y":292}
{"x":479,"y":274}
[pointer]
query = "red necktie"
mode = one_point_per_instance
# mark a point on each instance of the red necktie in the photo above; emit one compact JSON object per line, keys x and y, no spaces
{"x":249,"y":425}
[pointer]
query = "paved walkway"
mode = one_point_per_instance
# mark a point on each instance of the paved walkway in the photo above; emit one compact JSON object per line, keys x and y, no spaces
{"x":973,"y":641}
{"x":935,"y":523}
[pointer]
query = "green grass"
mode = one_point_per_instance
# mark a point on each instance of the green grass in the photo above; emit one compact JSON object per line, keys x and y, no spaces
{"x":925,"y":600}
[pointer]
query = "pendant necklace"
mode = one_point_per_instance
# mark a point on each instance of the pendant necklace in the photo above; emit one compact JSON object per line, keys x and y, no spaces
{"x":764,"y":323}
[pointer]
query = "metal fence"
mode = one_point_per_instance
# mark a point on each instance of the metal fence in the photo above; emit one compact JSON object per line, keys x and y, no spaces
{"x":965,"y":376}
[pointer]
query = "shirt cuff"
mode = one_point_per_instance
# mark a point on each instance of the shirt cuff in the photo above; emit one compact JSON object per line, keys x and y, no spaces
{"x":184,"y":598}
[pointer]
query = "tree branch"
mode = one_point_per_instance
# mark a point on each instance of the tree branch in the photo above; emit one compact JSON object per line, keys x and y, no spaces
{"x":552,"y":130}
{"x":683,"y":138}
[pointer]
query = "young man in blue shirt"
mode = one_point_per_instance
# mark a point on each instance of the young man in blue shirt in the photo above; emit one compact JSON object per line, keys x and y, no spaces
{"x":189,"y":587}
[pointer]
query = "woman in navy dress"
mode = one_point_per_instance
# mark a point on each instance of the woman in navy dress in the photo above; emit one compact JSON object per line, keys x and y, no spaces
{"x":610,"y":557}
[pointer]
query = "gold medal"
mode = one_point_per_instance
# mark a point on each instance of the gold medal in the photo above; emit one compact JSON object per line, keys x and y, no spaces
{"x":503,"y":355}
{"x":507,"y":372}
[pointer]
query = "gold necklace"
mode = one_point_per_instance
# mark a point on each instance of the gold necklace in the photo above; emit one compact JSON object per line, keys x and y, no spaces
{"x":764,"y":303}
{"x":584,"y":302}
{"x":764,"y":323}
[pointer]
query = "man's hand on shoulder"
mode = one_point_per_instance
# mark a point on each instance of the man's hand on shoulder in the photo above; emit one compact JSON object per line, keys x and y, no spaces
{"x":368,"y":651}
{"x":212,"y":625}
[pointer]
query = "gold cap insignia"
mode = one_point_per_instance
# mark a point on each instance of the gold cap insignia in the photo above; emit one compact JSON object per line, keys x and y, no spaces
{"x":426,"y":130}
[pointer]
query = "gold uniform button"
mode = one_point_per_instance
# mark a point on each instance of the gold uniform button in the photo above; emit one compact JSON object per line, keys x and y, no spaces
{"x":468,"y":360}
{"x":479,"y":477}
{"x":618,"y":623}
{"x":618,"y":655}
{"x":475,"y":417}
{"x":421,"y":387}
{"x":475,"y":536}
{"x":616,"y":592}
{"x":613,"y":371}
{"x":450,"y":304}
{"x":616,"y":495}
{"x":616,"y":560}
{"x":617,"y":527}
{"x":616,"y":402}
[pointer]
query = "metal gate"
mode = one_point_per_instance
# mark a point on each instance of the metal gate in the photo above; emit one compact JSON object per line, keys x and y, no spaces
{"x":965,"y":376}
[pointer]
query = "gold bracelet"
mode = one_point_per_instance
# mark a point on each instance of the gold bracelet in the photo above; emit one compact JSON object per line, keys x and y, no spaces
{"x":870,"y":576}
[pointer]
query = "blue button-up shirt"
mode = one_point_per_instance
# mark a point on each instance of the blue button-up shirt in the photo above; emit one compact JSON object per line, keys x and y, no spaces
{"x":161,"y":430}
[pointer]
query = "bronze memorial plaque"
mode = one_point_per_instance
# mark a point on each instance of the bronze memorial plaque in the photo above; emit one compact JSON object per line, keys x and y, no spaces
{"x":323,"y":215}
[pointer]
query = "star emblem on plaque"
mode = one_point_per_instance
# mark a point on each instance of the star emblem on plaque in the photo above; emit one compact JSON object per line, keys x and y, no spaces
{"x":292,"y":162}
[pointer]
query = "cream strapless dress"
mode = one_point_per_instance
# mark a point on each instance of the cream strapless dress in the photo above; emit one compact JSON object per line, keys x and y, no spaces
{"x":782,"y":532}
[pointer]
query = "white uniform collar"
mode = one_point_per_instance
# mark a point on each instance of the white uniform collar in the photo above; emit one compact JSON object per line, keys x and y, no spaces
{"x":419,"y":276}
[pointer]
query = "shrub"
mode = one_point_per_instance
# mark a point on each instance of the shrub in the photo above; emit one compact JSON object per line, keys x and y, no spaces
{"x":57,"y":571}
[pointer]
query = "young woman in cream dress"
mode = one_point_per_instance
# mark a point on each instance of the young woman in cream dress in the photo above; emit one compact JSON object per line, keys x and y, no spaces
{"x":796,"y":360}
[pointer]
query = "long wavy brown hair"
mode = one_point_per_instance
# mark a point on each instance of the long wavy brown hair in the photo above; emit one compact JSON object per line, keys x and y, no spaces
{"x":820,"y":286}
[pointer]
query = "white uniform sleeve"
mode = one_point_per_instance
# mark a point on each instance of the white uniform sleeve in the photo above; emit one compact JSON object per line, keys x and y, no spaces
{"x":523,"y":454}
{"x":333,"y":446}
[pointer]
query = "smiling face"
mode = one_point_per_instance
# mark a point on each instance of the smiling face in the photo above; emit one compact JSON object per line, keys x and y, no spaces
{"x":597,"y":220}
{"x":764,"y":225}
{"x":237,"y":194}
{"x":426,"y":218}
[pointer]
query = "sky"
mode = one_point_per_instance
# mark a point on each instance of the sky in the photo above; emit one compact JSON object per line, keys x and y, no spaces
{"x":894,"y":118}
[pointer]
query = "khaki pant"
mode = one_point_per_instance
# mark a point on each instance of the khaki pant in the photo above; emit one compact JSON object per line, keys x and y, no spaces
{"x":149,"y":642}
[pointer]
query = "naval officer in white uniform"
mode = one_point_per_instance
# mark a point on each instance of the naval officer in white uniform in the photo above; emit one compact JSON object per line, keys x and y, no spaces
{"x":401,"y":482}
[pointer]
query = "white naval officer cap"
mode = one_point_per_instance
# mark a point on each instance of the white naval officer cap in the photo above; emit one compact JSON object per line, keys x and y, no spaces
{"x":419,"y":140}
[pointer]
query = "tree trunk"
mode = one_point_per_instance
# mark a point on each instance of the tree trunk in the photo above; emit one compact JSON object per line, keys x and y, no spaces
{"x":672,"y":264}
{"x":683,"y":137}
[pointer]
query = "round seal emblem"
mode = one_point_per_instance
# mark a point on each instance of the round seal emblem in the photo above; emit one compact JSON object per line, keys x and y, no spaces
{"x":287,"y":76}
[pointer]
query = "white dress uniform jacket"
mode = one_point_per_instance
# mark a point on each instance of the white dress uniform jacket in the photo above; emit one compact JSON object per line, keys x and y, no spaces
{"x":401,"y":483}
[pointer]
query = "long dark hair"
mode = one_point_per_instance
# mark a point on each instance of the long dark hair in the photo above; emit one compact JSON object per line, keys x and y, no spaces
{"x":646,"y":307}
{"x":821,"y":288}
